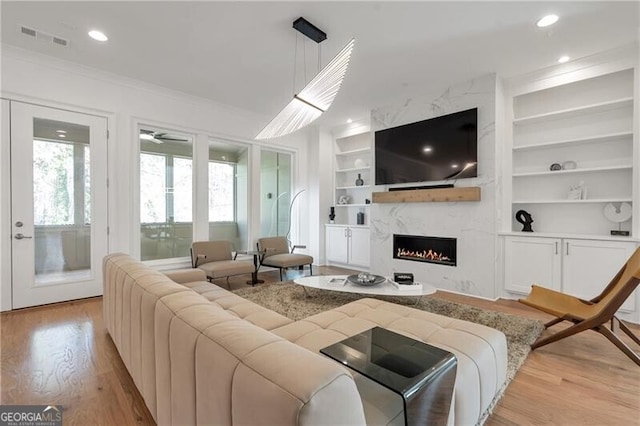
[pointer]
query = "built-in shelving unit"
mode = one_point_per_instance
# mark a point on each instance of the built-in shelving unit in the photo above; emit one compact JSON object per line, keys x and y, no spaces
{"x":572,"y":152}
{"x":352,"y":159}
{"x":588,"y":122}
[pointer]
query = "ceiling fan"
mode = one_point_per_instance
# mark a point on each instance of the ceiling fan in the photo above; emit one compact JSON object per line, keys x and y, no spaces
{"x":161,"y":137}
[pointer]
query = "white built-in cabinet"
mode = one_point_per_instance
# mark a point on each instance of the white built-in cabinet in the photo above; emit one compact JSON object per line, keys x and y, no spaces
{"x":348,"y":245}
{"x":573,"y":126}
{"x":582,"y":268}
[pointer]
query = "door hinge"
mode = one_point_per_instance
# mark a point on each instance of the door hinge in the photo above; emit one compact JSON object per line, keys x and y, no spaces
{"x":107,"y":182}
{"x":108,"y":230}
{"x":107,"y":134}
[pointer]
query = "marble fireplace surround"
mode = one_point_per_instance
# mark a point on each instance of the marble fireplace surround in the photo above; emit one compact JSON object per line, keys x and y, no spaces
{"x":473,"y":224}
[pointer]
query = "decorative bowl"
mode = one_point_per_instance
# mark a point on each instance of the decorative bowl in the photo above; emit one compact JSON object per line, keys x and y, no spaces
{"x":369,"y":280}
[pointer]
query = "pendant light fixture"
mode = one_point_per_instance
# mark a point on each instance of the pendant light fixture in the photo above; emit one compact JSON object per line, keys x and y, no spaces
{"x":317,"y":96}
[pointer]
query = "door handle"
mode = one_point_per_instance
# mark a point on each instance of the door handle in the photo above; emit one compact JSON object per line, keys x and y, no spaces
{"x":567,"y":249}
{"x":21,"y":237}
{"x":556,"y":247}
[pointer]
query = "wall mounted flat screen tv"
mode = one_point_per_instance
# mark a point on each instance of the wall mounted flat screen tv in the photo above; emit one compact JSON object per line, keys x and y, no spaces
{"x":439,"y":149}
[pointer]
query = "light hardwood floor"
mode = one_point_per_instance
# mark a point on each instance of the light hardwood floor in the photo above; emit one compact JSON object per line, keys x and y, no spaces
{"x":61,"y":354}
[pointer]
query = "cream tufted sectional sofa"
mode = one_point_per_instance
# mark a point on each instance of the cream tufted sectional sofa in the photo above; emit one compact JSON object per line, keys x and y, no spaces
{"x":199,"y":354}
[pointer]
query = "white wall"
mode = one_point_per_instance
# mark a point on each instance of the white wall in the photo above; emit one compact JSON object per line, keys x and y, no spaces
{"x":126,"y":103}
{"x":320,"y":151}
{"x":472,"y":223}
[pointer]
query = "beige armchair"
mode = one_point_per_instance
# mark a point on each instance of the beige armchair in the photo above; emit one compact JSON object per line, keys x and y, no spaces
{"x":277,"y":255}
{"x":216,"y":260}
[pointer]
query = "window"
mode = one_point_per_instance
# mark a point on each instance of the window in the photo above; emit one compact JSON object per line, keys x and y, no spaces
{"x":228,"y":168}
{"x":275,"y":185}
{"x":166,"y":182}
{"x":60,"y":184}
{"x":221,"y":192}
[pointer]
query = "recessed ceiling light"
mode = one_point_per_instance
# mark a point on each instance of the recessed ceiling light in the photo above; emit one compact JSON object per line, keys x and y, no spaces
{"x":349,"y":120}
{"x":547,"y":20}
{"x":61,"y":131}
{"x":454,"y":166}
{"x":98,"y":35}
{"x":563,"y":59}
{"x":427,"y":149}
{"x":62,"y":136}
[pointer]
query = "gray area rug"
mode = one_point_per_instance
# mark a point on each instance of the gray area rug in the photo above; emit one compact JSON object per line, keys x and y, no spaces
{"x":289,"y":300}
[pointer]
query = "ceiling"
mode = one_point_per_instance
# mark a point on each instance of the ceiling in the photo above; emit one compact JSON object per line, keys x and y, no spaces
{"x":242,"y":53}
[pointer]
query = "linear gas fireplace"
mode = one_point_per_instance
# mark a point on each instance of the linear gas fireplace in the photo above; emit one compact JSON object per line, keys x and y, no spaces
{"x":441,"y":251}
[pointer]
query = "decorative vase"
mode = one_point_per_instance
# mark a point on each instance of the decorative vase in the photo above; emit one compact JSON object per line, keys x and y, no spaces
{"x":360,"y":218}
{"x":332,"y":214}
{"x":359,"y":181}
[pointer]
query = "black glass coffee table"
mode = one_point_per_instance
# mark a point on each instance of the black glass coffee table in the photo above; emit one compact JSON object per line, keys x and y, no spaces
{"x":423,"y":375}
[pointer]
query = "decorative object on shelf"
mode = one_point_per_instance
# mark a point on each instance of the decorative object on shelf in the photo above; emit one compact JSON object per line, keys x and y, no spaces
{"x":366,"y":279}
{"x":524,"y":217}
{"x":554,"y":167}
{"x":360,"y":217}
{"x":318,"y":94}
{"x":367,"y":201}
{"x":359,"y":181}
{"x":578,"y":191}
{"x":344,"y":199}
{"x":359,"y":163}
{"x":332,"y":214}
{"x":569,"y":165}
{"x":618,"y":213}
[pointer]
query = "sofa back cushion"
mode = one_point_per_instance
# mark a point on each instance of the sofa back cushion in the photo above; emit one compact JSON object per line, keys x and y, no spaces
{"x":130,"y":293}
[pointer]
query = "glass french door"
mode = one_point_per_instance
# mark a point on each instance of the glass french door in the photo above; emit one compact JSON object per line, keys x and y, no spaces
{"x":58,"y":204}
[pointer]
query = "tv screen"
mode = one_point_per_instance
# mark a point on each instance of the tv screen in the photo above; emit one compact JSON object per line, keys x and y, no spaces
{"x":437,"y":149}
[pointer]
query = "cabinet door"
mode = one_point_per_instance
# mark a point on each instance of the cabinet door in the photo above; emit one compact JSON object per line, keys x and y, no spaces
{"x":337,"y":244}
{"x":531,"y":260}
{"x":359,"y":247}
{"x":588,"y":266}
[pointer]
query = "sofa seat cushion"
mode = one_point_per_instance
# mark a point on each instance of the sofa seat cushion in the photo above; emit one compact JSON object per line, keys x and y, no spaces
{"x":287,"y":260}
{"x":481,"y":351}
{"x":239,"y":307}
{"x":226,"y":268}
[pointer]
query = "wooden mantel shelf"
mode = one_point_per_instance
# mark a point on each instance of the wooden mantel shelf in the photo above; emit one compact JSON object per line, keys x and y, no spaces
{"x":437,"y":195}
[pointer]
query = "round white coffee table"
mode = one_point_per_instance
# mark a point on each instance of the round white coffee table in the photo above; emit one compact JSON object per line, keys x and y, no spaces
{"x":340,"y":283}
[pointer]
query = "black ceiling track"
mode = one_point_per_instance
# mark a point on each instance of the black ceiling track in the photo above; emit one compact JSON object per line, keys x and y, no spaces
{"x":310,"y":30}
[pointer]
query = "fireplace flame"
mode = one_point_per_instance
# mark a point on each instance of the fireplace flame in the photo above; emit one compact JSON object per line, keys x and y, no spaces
{"x":424,"y":254}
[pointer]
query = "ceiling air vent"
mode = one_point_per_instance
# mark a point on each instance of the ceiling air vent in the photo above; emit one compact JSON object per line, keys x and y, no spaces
{"x":28,"y":31}
{"x":60,"y":41}
{"x":41,"y":35}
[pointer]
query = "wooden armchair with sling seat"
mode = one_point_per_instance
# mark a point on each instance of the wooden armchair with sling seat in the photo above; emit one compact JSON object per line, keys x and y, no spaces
{"x":276,"y":254}
{"x":216,"y":259}
{"x":590,"y":314}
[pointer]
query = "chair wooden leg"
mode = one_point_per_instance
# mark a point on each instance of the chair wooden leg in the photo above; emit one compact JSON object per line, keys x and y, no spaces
{"x":576,"y":328}
{"x":553,"y":322}
{"x":280,"y":274}
{"x":619,"y":343}
{"x":627,"y":331}
{"x":310,"y":269}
